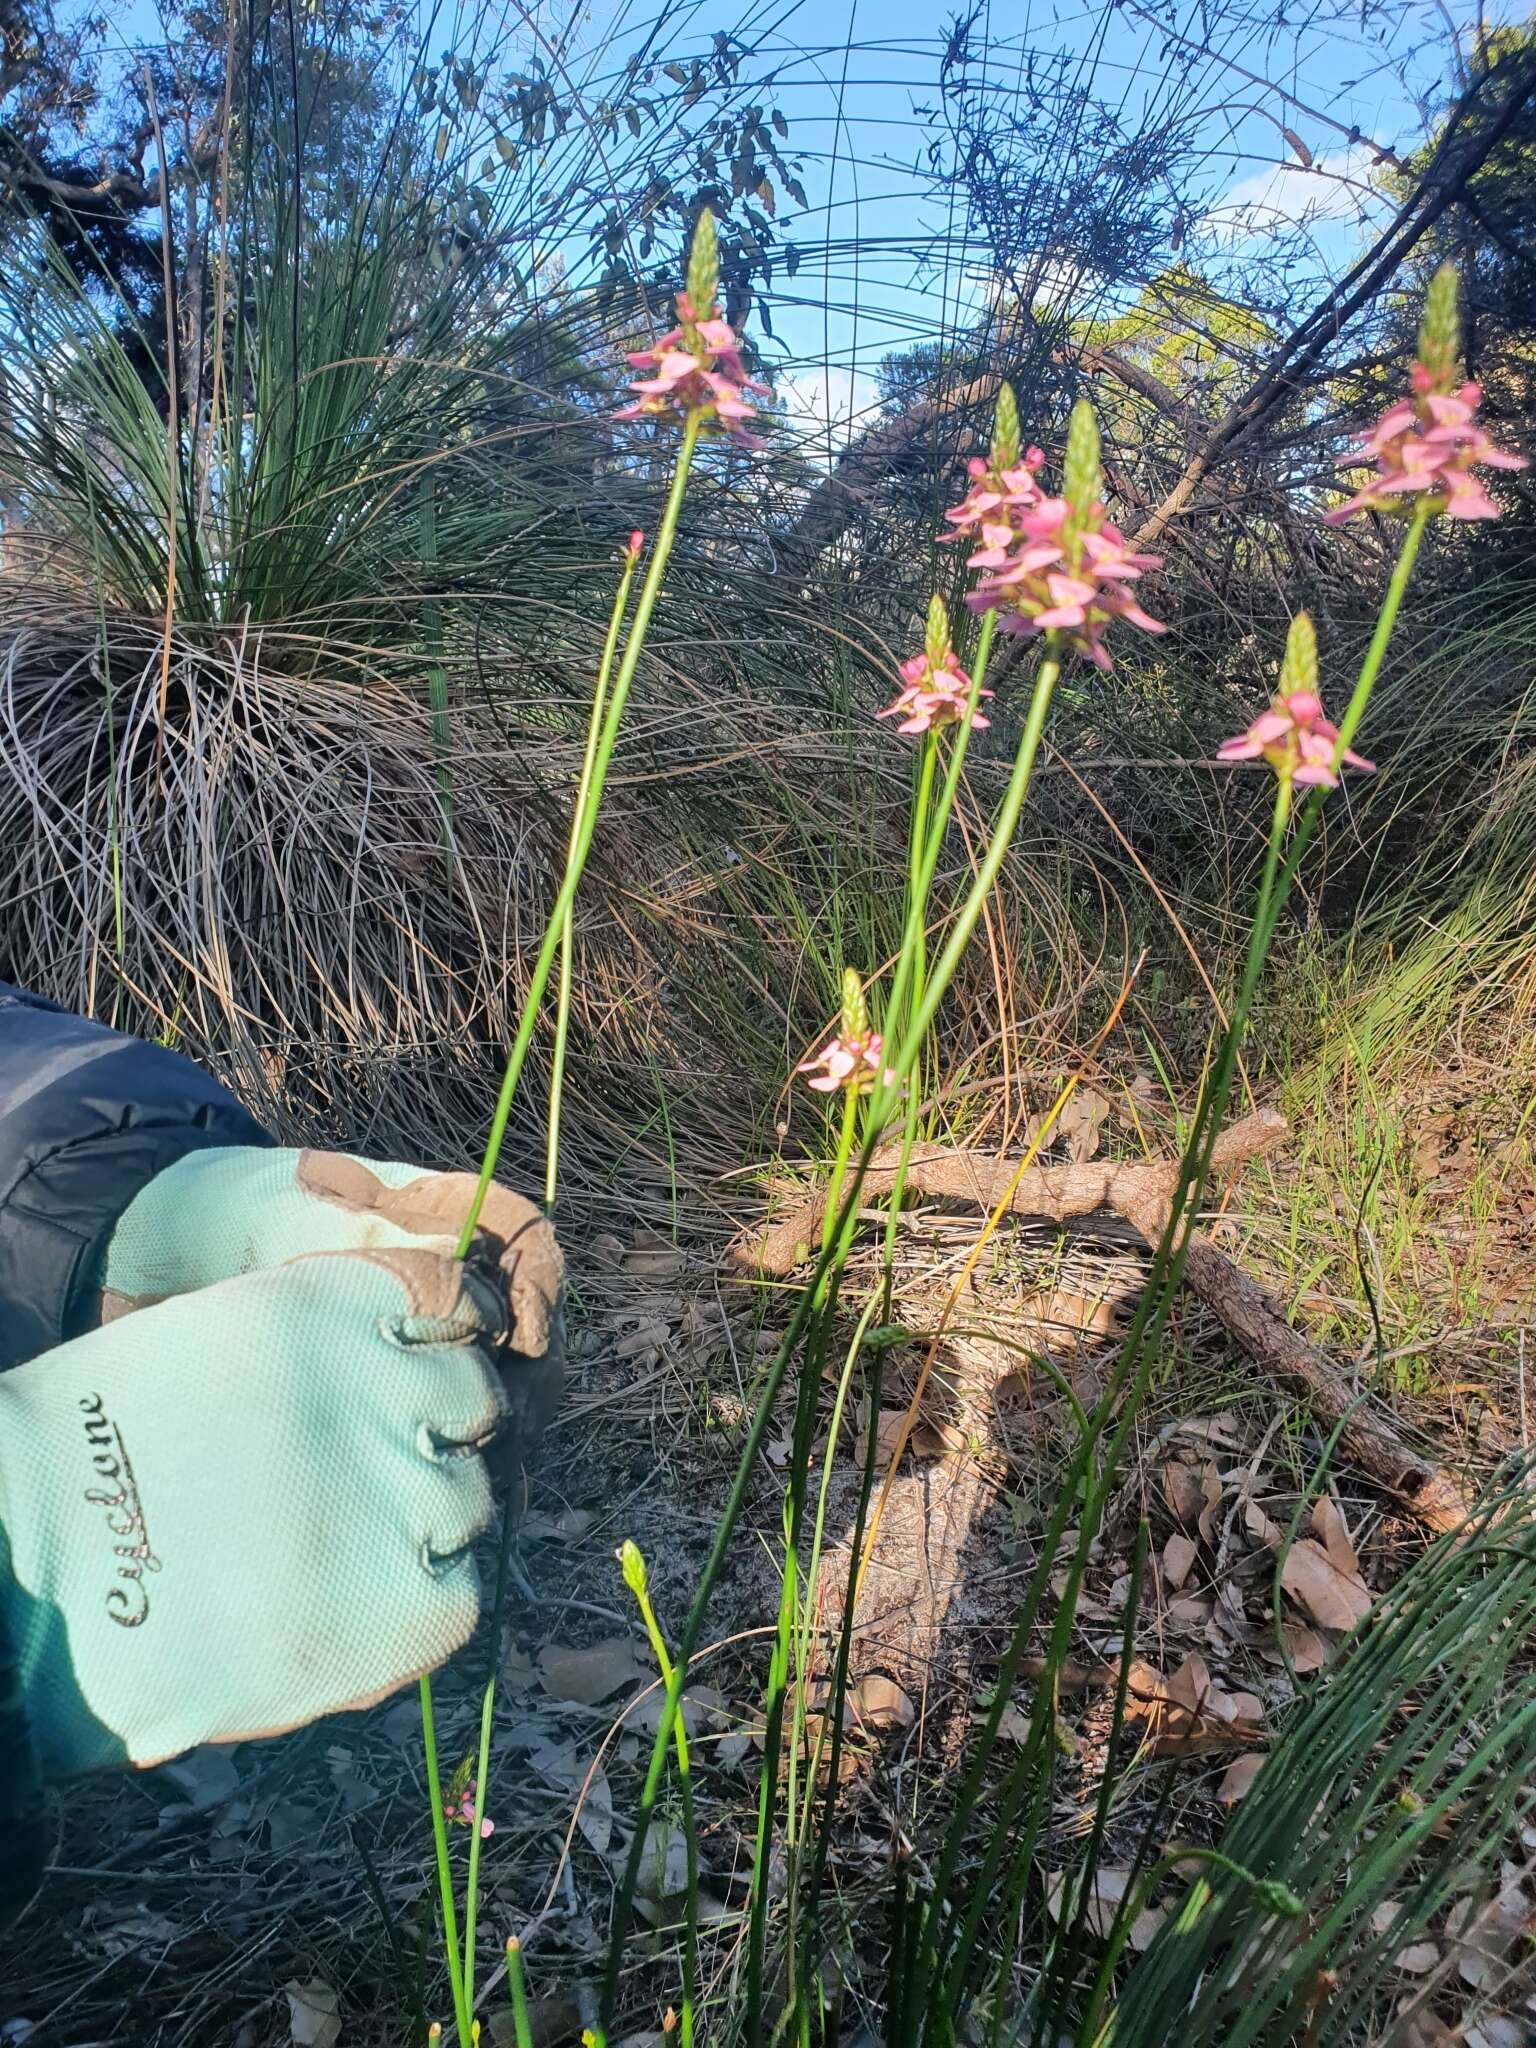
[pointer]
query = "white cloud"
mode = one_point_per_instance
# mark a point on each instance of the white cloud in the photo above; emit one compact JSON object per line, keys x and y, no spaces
{"x":828,"y":402}
{"x":1336,"y":187}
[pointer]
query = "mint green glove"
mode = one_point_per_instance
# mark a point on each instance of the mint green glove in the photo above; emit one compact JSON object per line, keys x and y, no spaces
{"x":239,"y":1208}
{"x":246,"y":1507}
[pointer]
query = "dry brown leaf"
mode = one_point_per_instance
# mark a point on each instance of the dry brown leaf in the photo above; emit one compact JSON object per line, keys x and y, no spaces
{"x":660,"y":1261}
{"x":1417,"y":1959}
{"x":699,"y":1706}
{"x":1329,"y":1523}
{"x":1304,"y":1646}
{"x":1182,"y":1489}
{"x":1260,"y":1527}
{"x":1481,"y":1937}
{"x":1210,"y":1487}
{"x":1231,"y":1614}
{"x":1333,"y":1598}
{"x":888,"y":1427}
{"x":644,"y":1340}
{"x":1191,"y":1610}
{"x":1179,"y":1554}
{"x":878,"y":1702}
{"x":1080,"y":1124}
{"x":1238,"y":1776}
{"x":1189,"y":1713}
{"x":313,"y":2020}
{"x":590,"y":1675}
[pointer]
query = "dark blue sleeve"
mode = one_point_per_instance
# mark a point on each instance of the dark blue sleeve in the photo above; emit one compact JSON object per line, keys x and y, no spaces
{"x":87,"y":1118}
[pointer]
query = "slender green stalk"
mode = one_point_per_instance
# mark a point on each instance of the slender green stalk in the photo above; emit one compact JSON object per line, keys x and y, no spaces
{"x":942,"y":810}
{"x":919,"y":877}
{"x":517,"y":1990}
{"x":583,"y":788}
{"x":1386,"y":620}
{"x":444,"y":1866}
{"x":582,"y":839}
{"x":633,"y":1566}
{"x":589,"y":799}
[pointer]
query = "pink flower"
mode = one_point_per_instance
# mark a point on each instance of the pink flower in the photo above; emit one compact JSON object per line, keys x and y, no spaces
{"x":851,"y":1060}
{"x":1428,"y":444}
{"x":463,"y":1815}
{"x":1065,"y":577}
{"x":1296,"y":740}
{"x":935,"y":691}
{"x":695,"y":368}
{"x":996,"y":496}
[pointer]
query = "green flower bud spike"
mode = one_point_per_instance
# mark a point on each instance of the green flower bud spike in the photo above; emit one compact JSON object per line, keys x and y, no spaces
{"x":632,"y":1565}
{"x":1440,"y":330}
{"x":1298,"y":666}
{"x":1080,"y":483}
{"x":703,"y":279}
{"x":1004,"y":453}
{"x":855,"y":1020}
{"x":936,"y":637}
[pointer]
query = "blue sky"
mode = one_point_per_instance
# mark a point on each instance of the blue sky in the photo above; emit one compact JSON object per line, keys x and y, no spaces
{"x":858,"y":83}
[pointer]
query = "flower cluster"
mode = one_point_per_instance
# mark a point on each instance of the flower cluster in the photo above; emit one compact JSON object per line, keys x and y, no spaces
{"x":1066,"y":574}
{"x":1292,"y":735}
{"x":855,"y":1057}
{"x":990,"y":510}
{"x":935,"y":688}
{"x":696,"y":369}
{"x":1425,"y":447}
{"x":1296,"y":740}
{"x":1049,"y":564}
{"x":459,"y":1807}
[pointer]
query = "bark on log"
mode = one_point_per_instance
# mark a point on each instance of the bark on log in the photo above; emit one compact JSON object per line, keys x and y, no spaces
{"x":1139,"y":1194}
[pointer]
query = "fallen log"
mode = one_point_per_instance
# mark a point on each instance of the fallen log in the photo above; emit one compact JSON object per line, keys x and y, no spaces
{"x":1140,"y":1193}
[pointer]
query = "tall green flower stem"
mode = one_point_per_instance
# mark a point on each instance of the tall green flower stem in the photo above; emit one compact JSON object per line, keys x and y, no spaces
{"x":563,"y":988}
{"x":581,"y":838}
{"x":595,"y":773}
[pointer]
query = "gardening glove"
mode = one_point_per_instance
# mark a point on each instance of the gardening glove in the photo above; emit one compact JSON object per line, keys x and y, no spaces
{"x":248,"y":1506}
{"x":239,"y":1208}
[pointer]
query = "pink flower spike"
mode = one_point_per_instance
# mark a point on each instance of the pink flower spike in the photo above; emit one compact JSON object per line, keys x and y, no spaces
{"x":935,"y":692}
{"x":851,"y":1060}
{"x":695,"y":370}
{"x":1427,"y":446}
{"x":1297,"y":741}
{"x":1038,"y":586}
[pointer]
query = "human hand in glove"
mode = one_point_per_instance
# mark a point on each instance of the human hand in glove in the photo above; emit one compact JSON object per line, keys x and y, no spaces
{"x":249,"y":1505}
{"x":239,"y":1208}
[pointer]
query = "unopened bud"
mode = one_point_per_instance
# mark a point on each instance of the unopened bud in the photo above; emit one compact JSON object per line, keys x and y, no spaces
{"x":703,"y":268}
{"x":855,"y":1010}
{"x":635,"y":543}
{"x":1440,"y":329}
{"x":1080,"y":483}
{"x":1005,"y":430}
{"x":632,"y":1565}
{"x":936,"y":633}
{"x":1298,"y":666}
